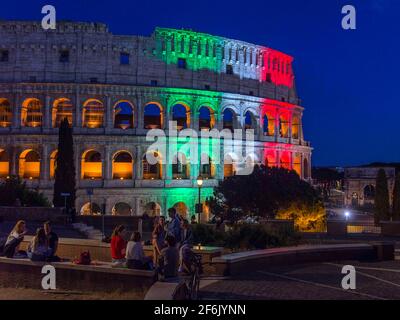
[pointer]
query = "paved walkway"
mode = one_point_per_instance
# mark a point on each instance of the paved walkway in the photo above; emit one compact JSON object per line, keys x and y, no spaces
{"x":375,"y":281}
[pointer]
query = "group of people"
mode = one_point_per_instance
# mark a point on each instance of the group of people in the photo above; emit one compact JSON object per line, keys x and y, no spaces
{"x":42,"y":247}
{"x":172,"y":246}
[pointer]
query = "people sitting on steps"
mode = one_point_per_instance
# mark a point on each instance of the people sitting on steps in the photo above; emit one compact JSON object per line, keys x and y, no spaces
{"x":14,"y":239}
{"x":169,"y":259}
{"x":135,"y":257}
{"x":118,"y":246}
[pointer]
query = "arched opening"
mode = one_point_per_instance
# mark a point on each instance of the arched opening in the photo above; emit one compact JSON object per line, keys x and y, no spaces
{"x":29,"y":165}
{"x":121,"y":209}
{"x":295,"y":127}
{"x":123,"y":115}
{"x":153,"y":117}
{"x":5,"y":113}
{"x":250,"y":121}
{"x":62,"y":108}
{"x":93,"y":114}
{"x":4,"y":164}
{"x":31,"y":113}
{"x":122,"y":166}
{"x":53,"y":164}
{"x":270,"y":159}
{"x":90,"y":209}
{"x":297,"y":163}
{"x":206,"y":118}
{"x":306,"y":170}
{"x":181,"y":114}
{"x":152,"y":209}
{"x":181,"y":209}
{"x":285,"y":160}
{"x":268,"y":125}
{"x":180,"y":167}
{"x":91,"y":165}
{"x":369,"y":192}
{"x":228,"y":119}
{"x":152,"y":166}
{"x":207,"y":167}
{"x":283,"y":127}
{"x":229,"y":166}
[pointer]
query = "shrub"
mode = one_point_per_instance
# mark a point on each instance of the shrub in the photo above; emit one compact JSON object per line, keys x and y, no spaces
{"x":207,"y":235}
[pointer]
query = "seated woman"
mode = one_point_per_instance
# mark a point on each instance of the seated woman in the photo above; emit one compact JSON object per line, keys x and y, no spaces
{"x":118,"y":246}
{"x":169,"y":259}
{"x":135,"y":257}
{"x":11,"y":247}
{"x":39,"y":247}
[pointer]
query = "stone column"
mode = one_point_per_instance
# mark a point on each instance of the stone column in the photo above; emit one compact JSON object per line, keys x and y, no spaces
{"x":139,"y":116}
{"x":109,"y":114}
{"x":138,"y":163}
{"x":13,"y":164}
{"x":17,"y":111}
{"x":47,"y":113}
{"x":45,"y":163}
{"x":78,"y":109}
{"x":107,"y":163}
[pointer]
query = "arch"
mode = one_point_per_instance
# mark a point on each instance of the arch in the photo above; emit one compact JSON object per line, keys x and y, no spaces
{"x":268,"y":125}
{"x":297,"y":163}
{"x":53,"y":164}
{"x":31,"y":113}
{"x":93,"y":114}
{"x":206,"y":118}
{"x":181,"y":209}
{"x":153,"y":116}
{"x":229,"y":165}
{"x":270,"y":158}
{"x":180,"y":167}
{"x":121,"y":209}
{"x":354,"y":199}
{"x":152,"y":209}
{"x":207,"y":167}
{"x":90,"y":209}
{"x":152,"y":166}
{"x":4,"y":164}
{"x":250,"y":121}
{"x":369,"y":192}
{"x":91,"y":165}
{"x":5,"y":113}
{"x":181,"y":114}
{"x":284,"y":160}
{"x":228,"y":119}
{"x":122,"y":165}
{"x":123,"y":115}
{"x":29,"y":164}
{"x":62,"y":108}
{"x":306,"y":170}
{"x":295,"y":127}
{"x":283,"y":127}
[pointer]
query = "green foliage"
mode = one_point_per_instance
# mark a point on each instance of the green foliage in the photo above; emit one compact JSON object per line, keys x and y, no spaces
{"x":382,"y":206}
{"x":261,"y":193}
{"x":244,"y":236}
{"x":65,"y":168}
{"x":396,"y":198}
{"x":14,"y":192}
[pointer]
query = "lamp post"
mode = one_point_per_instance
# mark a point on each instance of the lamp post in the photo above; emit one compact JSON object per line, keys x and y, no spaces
{"x":199,"y":206}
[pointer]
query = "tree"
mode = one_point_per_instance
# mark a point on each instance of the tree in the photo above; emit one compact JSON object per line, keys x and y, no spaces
{"x":261,"y":193}
{"x":14,"y":192}
{"x":396,"y":198}
{"x":382,"y":207}
{"x":65,"y":168}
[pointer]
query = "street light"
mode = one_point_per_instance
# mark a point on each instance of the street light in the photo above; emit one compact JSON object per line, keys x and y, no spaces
{"x":199,"y":206}
{"x":347,"y":215}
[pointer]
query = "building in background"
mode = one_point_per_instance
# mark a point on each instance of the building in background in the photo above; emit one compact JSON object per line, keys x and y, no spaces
{"x":114,"y":88}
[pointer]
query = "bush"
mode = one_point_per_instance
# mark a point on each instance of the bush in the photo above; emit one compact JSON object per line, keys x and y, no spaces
{"x":207,"y":235}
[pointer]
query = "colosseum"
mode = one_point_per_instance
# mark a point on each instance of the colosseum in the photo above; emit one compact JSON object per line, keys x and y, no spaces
{"x":114,"y":88}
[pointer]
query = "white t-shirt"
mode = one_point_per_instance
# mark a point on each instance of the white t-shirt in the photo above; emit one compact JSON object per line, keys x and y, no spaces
{"x":134,"y":251}
{"x":12,"y":236}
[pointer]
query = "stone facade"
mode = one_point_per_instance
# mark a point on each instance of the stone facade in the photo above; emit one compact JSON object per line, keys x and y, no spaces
{"x":360,"y":184}
{"x":85,"y":73}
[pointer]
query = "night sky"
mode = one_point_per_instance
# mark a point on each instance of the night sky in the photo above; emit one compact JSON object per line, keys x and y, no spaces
{"x":347,"y":80}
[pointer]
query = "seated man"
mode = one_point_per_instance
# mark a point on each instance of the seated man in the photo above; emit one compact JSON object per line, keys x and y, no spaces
{"x":169,"y":258}
{"x":52,"y":239}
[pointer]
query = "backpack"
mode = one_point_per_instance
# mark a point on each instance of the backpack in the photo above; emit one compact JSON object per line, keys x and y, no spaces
{"x":84,"y":259}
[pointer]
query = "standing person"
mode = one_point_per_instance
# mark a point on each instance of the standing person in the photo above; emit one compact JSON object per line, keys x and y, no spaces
{"x":169,"y":258}
{"x":52,"y":239}
{"x":174,"y":226}
{"x":14,"y":239}
{"x":118,"y":245}
{"x":39,"y":249}
{"x":135,"y":257}
{"x":193,"y":220}
{"x":186,"y":244}
{"x":158,"y":237}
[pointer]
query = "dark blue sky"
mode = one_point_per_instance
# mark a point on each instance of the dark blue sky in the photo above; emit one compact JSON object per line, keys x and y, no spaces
{"x":348,"y":80}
